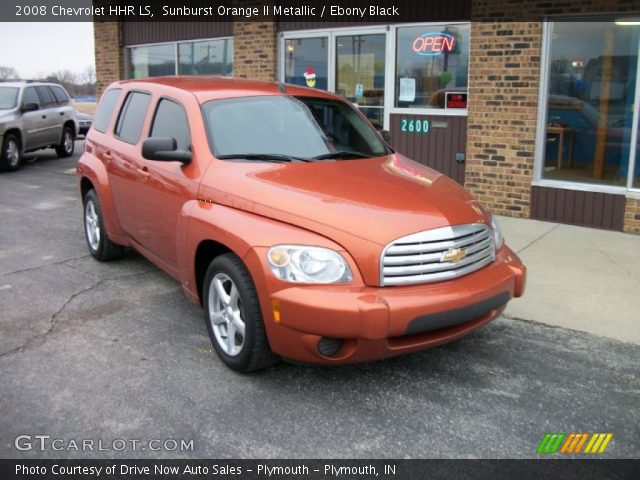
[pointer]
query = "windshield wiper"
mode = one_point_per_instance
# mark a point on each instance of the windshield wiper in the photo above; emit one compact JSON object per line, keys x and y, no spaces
{"x":271,"y":157}
{"x":341,"y":154}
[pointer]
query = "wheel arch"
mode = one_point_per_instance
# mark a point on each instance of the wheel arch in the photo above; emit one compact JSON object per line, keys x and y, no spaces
{"x":15,"y":131}
{"x":72,"y":125}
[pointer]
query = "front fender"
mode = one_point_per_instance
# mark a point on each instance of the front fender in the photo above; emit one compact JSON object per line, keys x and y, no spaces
{"x":239,"y":231}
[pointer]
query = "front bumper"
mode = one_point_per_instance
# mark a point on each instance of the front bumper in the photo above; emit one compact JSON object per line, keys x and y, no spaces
{"x":371,"y":323}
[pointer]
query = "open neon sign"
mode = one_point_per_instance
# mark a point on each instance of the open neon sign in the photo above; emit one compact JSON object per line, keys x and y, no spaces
{"x":433,"y":43}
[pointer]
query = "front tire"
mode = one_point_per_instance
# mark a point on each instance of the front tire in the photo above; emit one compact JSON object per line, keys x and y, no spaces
{"x":233,"y":316}
{"x":11,"y":154}
{"x":100,"y":247}
{"x":67,"y":143}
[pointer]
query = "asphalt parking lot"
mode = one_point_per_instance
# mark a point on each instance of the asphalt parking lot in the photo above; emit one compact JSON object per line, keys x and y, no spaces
{"x":116,"y":351}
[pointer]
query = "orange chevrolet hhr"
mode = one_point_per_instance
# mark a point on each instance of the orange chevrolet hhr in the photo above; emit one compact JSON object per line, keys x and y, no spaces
{"x":284,"y":213}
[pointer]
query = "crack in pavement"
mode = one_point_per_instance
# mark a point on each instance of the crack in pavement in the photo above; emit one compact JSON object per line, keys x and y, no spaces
{"x":536,"y":240}
{"x":41,"y":338}
{"x":37,"y":267}
{"x":613,"y":260}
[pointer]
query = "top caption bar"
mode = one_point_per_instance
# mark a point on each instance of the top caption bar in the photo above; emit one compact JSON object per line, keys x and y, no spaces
{"x":379,"y":11}
{"x":331,"y":12}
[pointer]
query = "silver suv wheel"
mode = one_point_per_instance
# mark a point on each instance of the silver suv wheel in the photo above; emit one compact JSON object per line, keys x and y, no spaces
{"x":12,"y":153}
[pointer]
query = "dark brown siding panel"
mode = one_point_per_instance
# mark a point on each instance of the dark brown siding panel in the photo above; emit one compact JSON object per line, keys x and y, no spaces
{"x":436,"y":149}
{"x":587,"y":209}
{"x":419,"y":11}
{"x":136,"y":33}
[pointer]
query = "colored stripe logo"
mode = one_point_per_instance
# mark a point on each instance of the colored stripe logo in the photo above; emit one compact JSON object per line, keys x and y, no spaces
{"x":573,"y":443}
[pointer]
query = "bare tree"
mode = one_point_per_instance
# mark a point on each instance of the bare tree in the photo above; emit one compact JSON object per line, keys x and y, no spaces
{"x":89,"y":75}
{"x":8,"y":73}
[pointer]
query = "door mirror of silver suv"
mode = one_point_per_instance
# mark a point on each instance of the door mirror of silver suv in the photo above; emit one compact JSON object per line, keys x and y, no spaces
{"x":30,"y":107}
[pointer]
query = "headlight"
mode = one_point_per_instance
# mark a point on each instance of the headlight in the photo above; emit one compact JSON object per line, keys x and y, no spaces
{"x":498,"y":239}
{"x":298,"y":263}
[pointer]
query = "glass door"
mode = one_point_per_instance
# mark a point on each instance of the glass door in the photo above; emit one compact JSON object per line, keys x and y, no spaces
{"x":360,"y":73}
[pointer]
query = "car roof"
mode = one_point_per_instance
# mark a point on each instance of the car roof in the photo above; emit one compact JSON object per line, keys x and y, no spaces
{"x":207,"y":88}
{"x":23,"y":83}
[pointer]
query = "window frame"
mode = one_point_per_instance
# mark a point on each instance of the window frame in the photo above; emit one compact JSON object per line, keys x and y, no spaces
{"x":127,"y":48}
{"x":541,"y":131}
{"x":122,"y":112}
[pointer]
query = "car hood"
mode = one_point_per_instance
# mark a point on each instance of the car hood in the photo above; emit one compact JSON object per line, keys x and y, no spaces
{"x":379,"y":199}
{"x":7,"y":115}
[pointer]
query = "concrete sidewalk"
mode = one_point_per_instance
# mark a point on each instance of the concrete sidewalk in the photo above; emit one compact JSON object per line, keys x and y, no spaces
{"x":577,"y":278}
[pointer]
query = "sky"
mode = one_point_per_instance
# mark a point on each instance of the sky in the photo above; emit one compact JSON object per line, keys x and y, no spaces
{"x":37,"y":49}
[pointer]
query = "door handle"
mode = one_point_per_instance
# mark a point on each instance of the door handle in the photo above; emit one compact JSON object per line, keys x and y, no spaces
{"x":107,"y":156}
{"x":144,"y":173}
{"x":62,"y":113}
{"x":44,"y":116}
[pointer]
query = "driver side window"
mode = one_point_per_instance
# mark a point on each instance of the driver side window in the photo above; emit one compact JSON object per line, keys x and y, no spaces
{"x":30,"y":96}
{"x":170,"y":120}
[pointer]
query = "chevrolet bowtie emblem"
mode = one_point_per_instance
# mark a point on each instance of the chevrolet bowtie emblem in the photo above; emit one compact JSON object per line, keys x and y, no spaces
{"x":453,"y":255}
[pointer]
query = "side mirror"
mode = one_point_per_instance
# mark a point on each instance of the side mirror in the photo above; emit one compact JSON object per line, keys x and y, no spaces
{"x":30,"y":107}
{"x":386,"y":135}
{"x":164,"y":149}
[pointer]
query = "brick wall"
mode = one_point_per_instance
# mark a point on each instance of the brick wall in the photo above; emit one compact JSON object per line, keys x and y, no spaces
{"x":632,"y":216}
{"x":255,"y":49}
{"x":108,"y":54}
{"x":504,"y":72}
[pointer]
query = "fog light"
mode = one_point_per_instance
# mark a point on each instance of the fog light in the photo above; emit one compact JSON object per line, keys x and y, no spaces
{"x":329,"y":346}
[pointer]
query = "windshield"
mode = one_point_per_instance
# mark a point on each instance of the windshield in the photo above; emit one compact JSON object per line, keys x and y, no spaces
{"x":296,"y":127}
{"x":8,"y":97}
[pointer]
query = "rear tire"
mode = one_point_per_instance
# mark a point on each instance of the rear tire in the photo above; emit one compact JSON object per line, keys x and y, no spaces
{"x":100,"y":247}
{"x":11,"y":154}
{"x":67,"y":143}
{"x":233,"y":316}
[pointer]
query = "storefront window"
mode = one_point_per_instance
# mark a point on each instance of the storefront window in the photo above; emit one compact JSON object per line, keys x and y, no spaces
{"x":152,"y":60}
{"x":590,"y":103}
{"x":636,"y":176}
{"x":360,"y":61}
{"x":432,"y":64}
{"x":306,"y":62}
{"x":211,"y":57}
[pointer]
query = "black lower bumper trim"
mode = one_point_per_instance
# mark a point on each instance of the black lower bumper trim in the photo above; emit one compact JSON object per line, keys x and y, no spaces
{"x":451,"y":318}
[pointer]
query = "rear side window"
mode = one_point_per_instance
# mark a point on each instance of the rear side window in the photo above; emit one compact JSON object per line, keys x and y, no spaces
{"x":46,"y":97}
{"x":30,"y":96}
{"x":170,"y":120}
{"x":61,"y":96}
{"x":131,"y":117}
{"x":105,"y":109}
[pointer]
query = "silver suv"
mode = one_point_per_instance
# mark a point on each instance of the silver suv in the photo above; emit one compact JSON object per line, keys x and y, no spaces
{"x":34,"y":115}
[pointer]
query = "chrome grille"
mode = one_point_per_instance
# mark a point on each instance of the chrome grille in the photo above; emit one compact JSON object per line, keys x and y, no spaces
{"x":420,"y":257}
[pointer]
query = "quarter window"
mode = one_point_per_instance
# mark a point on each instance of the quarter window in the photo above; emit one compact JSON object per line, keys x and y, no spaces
{"x":46,"y":97}
{"x":105,"y":109}
{"x":60,"y":94}
{"x":132,"y":116}
{"x":170,"y":120}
